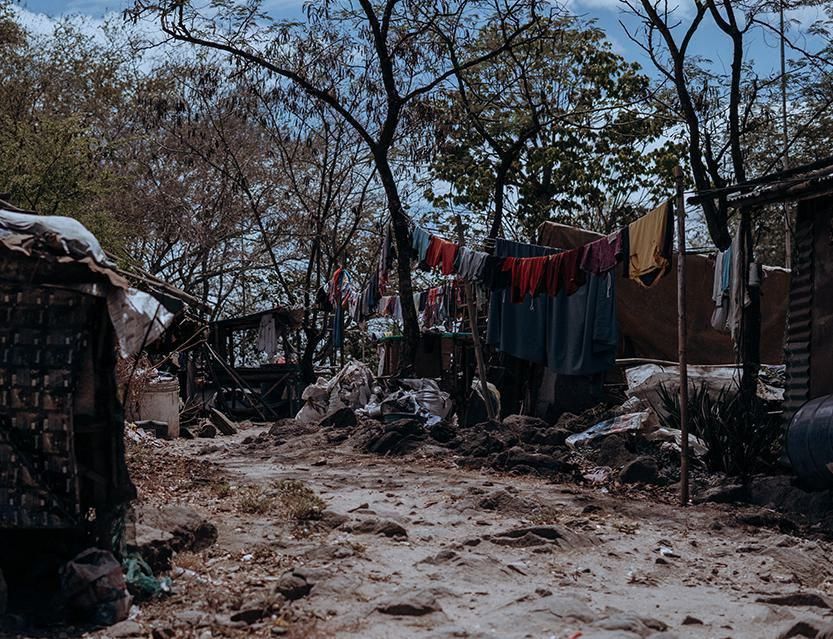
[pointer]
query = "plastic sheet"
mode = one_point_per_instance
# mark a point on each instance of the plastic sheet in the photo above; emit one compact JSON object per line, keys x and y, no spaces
{"x":63,"y":232}
{"x":138,"y":319}
{"x":641,"y":421}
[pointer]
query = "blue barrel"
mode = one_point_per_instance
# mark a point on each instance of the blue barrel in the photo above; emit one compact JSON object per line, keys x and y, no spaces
{"x":809,"y":442}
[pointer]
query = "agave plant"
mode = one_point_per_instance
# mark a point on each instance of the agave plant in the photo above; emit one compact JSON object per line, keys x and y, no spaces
{"x":742,"y":438}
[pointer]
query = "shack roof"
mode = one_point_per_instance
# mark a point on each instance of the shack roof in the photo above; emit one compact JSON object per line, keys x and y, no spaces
{"x":799,"y":183}
{"x":286,"y":319}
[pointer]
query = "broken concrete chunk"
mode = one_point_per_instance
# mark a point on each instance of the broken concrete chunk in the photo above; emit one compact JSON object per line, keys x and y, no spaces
{"x":222,"y":423}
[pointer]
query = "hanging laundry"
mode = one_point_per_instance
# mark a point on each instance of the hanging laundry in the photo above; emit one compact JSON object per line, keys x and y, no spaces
{"x":738,"y":294}
{"x":603,"y":254}
{"x":493,"y":276}
{"x":469,"y":263}
{"x":648,"y":245}
{"x":441,"y":253}
{"x":582,"y":332}
{"x":573,"y":334}
{"x":517,"y":329}
{"x":720,"y":289}
{"x":527,"y":276}
{"x":563,"y":272}
{"x":267,"y":336}
{"x":338,"y":293}
{"x":420,"y":238}
{"x":385,"y":259}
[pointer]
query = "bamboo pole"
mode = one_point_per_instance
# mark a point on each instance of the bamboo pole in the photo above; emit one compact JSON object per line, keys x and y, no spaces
{"x":475,"y":334}
{"x":682,"y":333}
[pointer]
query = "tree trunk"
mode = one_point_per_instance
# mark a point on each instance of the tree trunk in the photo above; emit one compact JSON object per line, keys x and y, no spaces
{"x":500,"y":188}
{"x":401,"y":235}
{"x":308,"y":356}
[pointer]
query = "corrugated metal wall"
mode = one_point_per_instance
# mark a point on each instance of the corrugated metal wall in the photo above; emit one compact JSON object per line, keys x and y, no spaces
{"x":799,"y":320}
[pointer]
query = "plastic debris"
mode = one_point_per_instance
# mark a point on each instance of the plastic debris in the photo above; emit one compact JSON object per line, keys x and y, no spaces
{"x":642,"y":421}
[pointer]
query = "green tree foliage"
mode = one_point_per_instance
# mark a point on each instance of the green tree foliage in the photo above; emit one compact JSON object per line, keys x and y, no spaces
{"x":588,"y":146}
{"x":60,"y":122}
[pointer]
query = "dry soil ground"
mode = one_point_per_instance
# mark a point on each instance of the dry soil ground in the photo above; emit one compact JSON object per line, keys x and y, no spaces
{"x":418,"y":547}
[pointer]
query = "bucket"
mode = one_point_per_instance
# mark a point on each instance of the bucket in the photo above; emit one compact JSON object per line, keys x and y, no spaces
{"x":809,"y":442}
{"x":160,"y":403}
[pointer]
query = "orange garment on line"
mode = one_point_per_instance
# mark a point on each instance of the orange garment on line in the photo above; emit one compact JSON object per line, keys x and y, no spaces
{"x":441,"y":253}
{"x":650,"y":242}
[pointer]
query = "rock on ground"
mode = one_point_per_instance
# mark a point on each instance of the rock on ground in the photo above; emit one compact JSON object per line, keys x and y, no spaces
{"x":190,"y":531}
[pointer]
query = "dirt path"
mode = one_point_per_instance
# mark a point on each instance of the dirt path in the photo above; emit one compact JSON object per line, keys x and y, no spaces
{"x":425,"y":549}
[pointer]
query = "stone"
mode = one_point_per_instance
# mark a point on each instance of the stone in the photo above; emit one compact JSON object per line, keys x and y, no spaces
{"x":642,"y":470}
{"x":692,"y":621}
{"x":125,"y":628}
{"x":191,"y":531}
{"x":249,"y":616}
{"x":191,"y":617}
{"x":801,"y":629}
{"x":222,"y":423}
{"x":384,"y":527}
{"x":207,"y":430}
{"x":332,"y":520}
{"x":825,"y":632}
{"x":808,"y":599}
{"x":569,"y":608}
{"x":627,"y":622}
{"x":293,"y":586}
{"x":155,"y":546}
{"x":517,"y":457}
{"x":725,"y":494}
{"x":341,"y":418}
{"x":612,"y":451}
{"x":410,"y":604}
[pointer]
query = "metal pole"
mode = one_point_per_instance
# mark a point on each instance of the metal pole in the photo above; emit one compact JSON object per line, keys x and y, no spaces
{"x":475,"y":334}
{"x":785,"y":139}
{"x":682,"y":333}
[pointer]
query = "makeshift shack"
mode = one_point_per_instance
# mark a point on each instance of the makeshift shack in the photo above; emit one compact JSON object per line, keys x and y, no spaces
{"x":64,"y":312}
{"x":808,"y":397}
{"x":269,"y":389}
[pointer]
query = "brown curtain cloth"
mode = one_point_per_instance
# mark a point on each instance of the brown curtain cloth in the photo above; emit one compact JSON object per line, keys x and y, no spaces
{"x":648,"y":317}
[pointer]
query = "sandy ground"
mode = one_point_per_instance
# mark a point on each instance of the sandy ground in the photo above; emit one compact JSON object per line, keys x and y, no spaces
{"x":423,"y":548}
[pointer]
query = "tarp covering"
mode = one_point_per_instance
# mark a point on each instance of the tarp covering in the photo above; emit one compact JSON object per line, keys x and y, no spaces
{"x":648,"y":317}
{"x":64,"y":232}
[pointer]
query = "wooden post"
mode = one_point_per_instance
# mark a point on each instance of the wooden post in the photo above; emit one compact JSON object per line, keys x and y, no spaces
{"x":471,"y":307}
{"x":682,"y":327}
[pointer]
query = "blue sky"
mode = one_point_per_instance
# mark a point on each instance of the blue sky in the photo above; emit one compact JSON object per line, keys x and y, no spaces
{"x":607,"y":13}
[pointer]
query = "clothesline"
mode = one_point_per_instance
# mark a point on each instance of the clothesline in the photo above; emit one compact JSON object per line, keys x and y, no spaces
{"x":644,"y":247}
